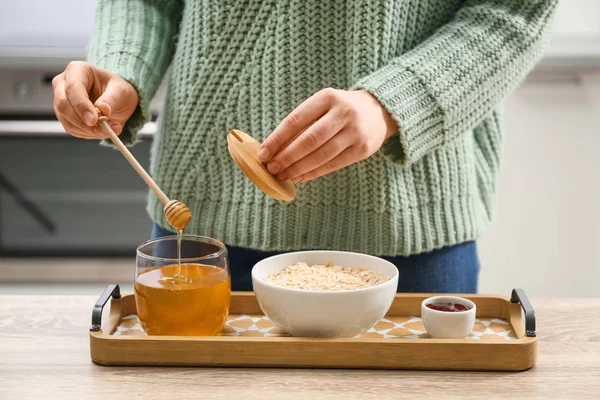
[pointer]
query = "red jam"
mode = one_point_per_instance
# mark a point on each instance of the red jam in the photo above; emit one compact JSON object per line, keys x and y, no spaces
{"x":447,"y":307}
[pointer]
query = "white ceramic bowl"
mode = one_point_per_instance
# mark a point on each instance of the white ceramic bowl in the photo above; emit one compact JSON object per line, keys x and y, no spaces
{"x":448,"y":325}
{"x":312,"y":313}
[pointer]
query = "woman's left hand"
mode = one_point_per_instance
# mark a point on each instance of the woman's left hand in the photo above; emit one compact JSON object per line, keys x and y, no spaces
{"x":329,"y":131}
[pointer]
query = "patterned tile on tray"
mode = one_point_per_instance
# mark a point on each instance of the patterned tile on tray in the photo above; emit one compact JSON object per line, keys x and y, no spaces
{"x":388,"y":328}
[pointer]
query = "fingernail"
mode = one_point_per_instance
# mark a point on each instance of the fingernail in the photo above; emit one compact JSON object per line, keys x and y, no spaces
{"x":263,"y":154}
{"x":105,"y":104}
{"x":298,"y":180}
{"x":282,"y":177}
{"x":274,"y":168}
{"x":88,"y":117}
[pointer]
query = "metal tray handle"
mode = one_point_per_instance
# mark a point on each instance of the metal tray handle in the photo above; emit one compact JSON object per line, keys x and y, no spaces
{"x":111,"y":291}
{"x":519,"y":296}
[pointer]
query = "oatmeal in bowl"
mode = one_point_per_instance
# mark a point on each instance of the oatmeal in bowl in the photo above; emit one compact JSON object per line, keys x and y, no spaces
{"x":326,"y":277}
{"x":325,"y":293}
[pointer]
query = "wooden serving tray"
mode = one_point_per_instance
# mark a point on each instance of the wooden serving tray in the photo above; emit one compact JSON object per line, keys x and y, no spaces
{"x":503,"y":339}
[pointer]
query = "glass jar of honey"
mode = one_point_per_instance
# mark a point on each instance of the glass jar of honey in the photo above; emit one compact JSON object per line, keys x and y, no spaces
{"x":182,"y":287}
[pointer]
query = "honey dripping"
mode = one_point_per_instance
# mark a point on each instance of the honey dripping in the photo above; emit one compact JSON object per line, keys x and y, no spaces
{"x":178,"y":275}
{"x":178,"y":279}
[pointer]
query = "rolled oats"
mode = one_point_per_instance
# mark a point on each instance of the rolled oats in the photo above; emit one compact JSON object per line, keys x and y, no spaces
{"x":326,"y":277}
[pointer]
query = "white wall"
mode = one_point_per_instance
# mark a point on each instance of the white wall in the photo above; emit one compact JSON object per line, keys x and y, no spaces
{"x":577,"y":19}
{"x":546,"y":234}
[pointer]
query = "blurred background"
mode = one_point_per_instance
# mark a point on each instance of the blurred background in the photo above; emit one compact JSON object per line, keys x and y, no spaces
{"x":73,"y":212}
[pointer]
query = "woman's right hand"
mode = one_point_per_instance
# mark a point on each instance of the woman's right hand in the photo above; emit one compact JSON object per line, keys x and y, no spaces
{"x":81,"y":88}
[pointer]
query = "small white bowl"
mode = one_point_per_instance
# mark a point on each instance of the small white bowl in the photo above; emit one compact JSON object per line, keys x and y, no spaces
{"x":448,"y":325}
{"x":313,"y":313}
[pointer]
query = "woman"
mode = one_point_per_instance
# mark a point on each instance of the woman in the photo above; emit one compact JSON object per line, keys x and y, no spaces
{"x":384,"y":113}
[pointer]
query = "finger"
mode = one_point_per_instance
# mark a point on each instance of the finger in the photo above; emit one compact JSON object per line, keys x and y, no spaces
{"x":70,"y":119}
{"x":65,"y":112}
{"x":345,"y":158}
{"x":80,"y":130}
{"x":74,"y":128}
{"x":304,"y":115}
{"x":76,"y":131}
{"x":58,"y":79}
{"x":307,"y":142}
{"x":318,"y":158}
{"x":114,"y":94}
{"x":115,"y":126}
{"x":67,"y":116}
{"x":79,"y":78}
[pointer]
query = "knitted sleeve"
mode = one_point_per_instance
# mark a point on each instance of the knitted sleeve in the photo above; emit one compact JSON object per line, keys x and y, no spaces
{"x":135,"y":39}
{"x":450,"y":82}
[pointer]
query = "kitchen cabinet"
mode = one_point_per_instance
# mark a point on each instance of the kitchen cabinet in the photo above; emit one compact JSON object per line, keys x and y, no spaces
{"x":94,"y":200}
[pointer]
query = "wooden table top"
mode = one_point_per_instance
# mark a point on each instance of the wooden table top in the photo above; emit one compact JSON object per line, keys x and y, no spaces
{"x":44,"y":353}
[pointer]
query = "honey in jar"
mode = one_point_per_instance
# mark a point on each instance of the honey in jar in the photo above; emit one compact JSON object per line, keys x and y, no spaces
{"x":194,"y":302}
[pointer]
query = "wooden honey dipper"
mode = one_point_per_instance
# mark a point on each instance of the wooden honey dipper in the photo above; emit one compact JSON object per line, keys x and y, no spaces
{"x":178,"y":215}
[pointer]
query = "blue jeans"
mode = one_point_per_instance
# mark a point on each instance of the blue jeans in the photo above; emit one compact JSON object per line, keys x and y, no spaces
{"x":452,"y":269}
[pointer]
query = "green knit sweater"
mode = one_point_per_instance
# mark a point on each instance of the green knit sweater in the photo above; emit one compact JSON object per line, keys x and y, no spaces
{"x":440,"y":67}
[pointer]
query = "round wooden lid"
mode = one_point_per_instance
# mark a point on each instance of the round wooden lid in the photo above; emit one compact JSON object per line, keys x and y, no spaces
{"x":244,"y":151}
